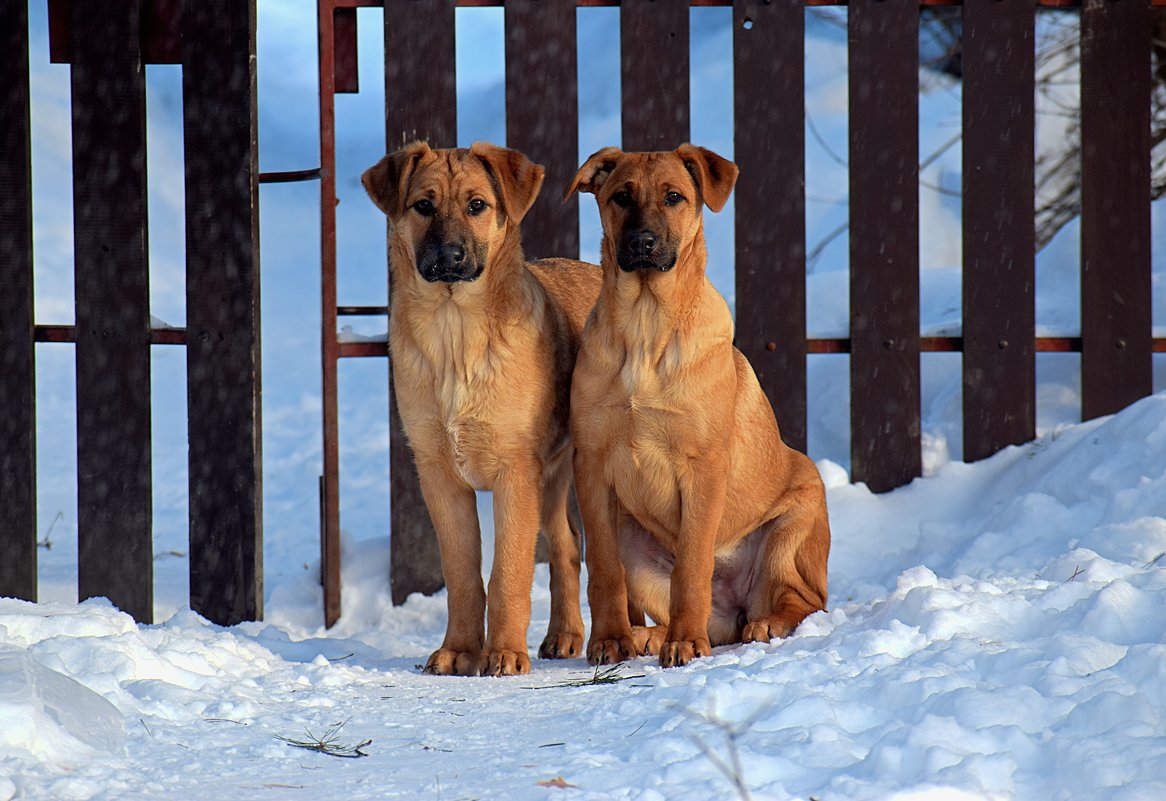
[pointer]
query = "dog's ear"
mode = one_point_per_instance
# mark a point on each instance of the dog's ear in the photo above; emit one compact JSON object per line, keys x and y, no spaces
{"x":518,"y":178}
{"x":594,"y":172}
{"x":714,"y":175}
{"x":387,"y":181}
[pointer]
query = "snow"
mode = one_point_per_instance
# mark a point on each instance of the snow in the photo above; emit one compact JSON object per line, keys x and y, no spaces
{"x":996,"y":630}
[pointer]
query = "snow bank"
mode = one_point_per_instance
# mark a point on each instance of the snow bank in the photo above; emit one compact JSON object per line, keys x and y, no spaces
{"x":996,"y":631}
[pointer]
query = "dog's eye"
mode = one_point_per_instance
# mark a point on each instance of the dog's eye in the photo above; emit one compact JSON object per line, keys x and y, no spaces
{"x":672,"y":198}
{"x":477,"y":206}
{"x":623,"y":199}
{"x":424,"y":207}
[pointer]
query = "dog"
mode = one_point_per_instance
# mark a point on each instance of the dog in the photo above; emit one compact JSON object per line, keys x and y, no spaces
{"x":691,"y":502}
{"x":482,"y":346}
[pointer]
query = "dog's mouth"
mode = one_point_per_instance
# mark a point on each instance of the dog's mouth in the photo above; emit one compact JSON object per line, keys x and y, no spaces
{"x":437,"y":275}
{"x":631,"y":265}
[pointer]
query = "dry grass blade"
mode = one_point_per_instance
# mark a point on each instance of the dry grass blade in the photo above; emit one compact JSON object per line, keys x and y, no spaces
{"x":329,"y":743}
{"x":612,"y":674}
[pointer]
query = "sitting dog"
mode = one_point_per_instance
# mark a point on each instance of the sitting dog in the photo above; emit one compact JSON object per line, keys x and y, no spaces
{"x":482,"y":347}
{"x":687,"y":492}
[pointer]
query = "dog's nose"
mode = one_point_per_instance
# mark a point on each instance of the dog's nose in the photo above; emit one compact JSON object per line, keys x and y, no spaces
{"x":641,"y":243}
{"x":455,"y":254}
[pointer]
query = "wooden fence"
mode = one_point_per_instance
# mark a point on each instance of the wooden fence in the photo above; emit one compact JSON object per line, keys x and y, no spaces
{"x":107,"y":43}
{"x":998,"y":340}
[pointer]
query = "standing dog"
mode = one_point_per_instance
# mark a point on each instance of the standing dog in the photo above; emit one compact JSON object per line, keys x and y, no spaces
{"x":688,"y":493}
{"x":482,"y":347}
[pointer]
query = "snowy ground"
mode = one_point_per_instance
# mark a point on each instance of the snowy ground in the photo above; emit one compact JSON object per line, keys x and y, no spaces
{"x":996,"y":631}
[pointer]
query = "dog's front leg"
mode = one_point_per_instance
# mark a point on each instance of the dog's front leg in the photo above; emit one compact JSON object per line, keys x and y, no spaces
{"x":611,"y":631}
{"x":516,"y":524}
{"x":702,"y":501}
{"x":454,"y":511}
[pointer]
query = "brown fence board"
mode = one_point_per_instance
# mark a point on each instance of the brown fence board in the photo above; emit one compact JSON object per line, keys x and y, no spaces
{"x":1115,"y":206}
{"x":542,"y":112}
{"x":420,"y":103}
{"x":999,"y":314}
{"x":17,"y":365}
{"x":770,"y":223}
{"x":115,"y":556}
{"x":344,"y":52}
{"x":654,"y":73}
{"x":222,"y":311}
{"x":884,"y":242}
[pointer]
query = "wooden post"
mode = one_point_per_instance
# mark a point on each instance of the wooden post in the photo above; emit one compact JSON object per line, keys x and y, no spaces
{"x":654,"y":60}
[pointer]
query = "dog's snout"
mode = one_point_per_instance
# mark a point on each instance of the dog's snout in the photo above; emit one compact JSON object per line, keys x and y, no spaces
{"x":454,"y":254}
{"x":642,"y":242}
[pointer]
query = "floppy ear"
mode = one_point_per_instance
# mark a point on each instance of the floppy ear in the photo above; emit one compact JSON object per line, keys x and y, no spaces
{"x":594,"y":172}
{"x":518,"y":178}
{"x":714,"y":175}
{"x":387,"y":181}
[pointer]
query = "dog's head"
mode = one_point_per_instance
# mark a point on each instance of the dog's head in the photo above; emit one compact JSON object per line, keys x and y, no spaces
{"x":454,"y":211}
{"x":650,"y":203}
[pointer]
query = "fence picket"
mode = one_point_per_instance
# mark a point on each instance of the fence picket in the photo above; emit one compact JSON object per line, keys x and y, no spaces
{"x":999,"y":315}
{"x":420,"y":103}
{"x":222,"y":310}
{"x":654,"y":69}
{"x":114,"y":503}
{"x":1115,"y":206}
{"x":884,"y":242}
{"x":17,"y":360}
{"x":542,"y":117}
{"x":769,"y":148}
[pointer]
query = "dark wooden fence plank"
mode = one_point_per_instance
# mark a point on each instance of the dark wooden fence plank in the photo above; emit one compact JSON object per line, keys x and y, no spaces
{"x":884,"y":242}
{"x":344,"y":50}
{"x":222,"y":311}
{"x":769,"y":148}
{"x":17,"y":365}
{"x":420,"y":103}
{"x":542,"y":112}
{"x":1115,"y":206}
{"x":999,"y":317}
{"x":115,"y":556}
{"x":654,"y":70}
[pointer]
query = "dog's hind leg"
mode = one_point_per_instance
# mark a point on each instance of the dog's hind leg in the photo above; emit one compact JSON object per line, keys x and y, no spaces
{"x":791,"y":580}
{"x":564,"y":539}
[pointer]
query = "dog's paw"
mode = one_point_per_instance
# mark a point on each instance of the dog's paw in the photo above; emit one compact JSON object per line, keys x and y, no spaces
{"x":450,"y":662}
{"x":649,"y":639}
{"x":610,"y":651}
{"x":677,"y":653}
{"x":506,"y":663}
{"x":561,"y":645}
{"x":766,"y":629}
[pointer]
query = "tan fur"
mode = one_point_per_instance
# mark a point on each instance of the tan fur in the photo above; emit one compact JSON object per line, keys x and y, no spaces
{"x":687,"y":492}
{"x":481,"y":373}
